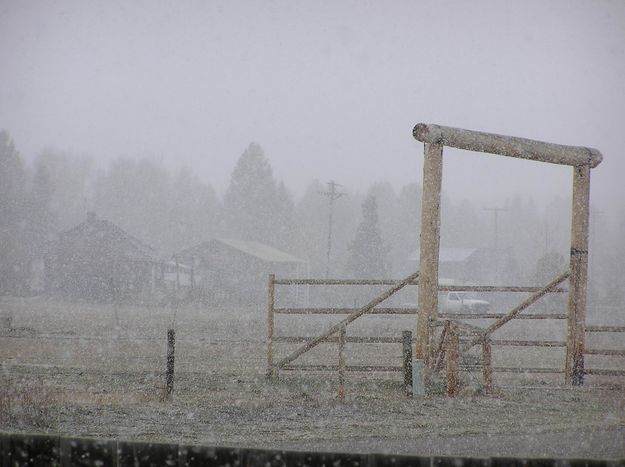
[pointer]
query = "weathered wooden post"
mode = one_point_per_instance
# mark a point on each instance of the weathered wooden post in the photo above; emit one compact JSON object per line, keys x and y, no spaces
{"x":342,"y":333}
{"x":169,"y":371}
{"x":453,"y":351}
{"x":429,"y":249}
{"x":487,"y":368}
{"x":574,"y":370}
{"x":440,"y":351}
{"x":271,"y":286}
{"x":407,"y":361}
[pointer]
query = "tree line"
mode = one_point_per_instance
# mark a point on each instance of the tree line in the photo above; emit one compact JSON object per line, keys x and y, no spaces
{"x":373,"y":233}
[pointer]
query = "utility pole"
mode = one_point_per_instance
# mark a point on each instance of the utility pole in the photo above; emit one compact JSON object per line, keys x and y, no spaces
{"x":332,"y":194}
{"x":496,"y":212}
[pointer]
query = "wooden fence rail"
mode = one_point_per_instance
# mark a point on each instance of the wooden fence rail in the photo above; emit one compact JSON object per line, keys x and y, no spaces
{"x":410,"y":311}
{"x":467,"y":335}
{"x":518,"y":309}
{"x":441,"y":288}
{"x":272,"y":370}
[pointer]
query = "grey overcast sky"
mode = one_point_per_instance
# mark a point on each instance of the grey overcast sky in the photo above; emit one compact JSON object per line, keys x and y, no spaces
{"x":329,"y":89}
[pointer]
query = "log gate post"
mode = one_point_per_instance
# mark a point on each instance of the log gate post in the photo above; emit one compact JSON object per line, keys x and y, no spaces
{"x":430,"y":243}
{"x":574,"y":369}
{"x":582,"y":159}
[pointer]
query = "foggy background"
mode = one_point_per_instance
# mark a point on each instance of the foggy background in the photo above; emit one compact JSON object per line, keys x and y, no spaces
{"x":140,"y":111}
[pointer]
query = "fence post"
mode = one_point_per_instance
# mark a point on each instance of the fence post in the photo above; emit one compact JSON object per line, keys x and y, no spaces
{"x":440,"y":351}
{"x":342,"y":363}
{"x":407,"y":361}
{"x":271,"y":287}
{"x":487,"y":368}
{"x":453,"y":344}
{"x":574,"y":368}
{"x":430,"y":243}
{"x":169,"y":372}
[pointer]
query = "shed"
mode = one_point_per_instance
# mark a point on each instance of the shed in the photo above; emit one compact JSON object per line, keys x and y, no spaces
{"x":236,"y":271}
{"x":97,"y":260}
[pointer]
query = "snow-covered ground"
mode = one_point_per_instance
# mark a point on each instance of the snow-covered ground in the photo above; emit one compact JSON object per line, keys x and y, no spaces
{"x":75,"y":369}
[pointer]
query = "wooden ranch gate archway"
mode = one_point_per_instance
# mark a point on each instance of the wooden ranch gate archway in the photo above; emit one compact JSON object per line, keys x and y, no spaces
{"x":581,"y":159}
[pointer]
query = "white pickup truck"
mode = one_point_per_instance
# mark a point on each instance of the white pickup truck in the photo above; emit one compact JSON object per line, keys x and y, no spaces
{"x":462,"y":302}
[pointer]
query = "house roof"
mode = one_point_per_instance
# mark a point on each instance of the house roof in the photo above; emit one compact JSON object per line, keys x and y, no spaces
{"x":115,"y":240}
{"x":258,"y":250}
{"x":261,"y":251}
{"x":449,"y":255}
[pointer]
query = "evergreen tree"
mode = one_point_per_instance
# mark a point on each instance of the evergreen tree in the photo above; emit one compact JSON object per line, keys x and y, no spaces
{"x":390,"y":222}
{"x":367,"y":251}
{"x":13,"y":264}
{"x":72,"y":178}
{"x":195,"y":211}
{"x":251,"y":200}
{"x":41,"y":219}
{"x":137,"y":196}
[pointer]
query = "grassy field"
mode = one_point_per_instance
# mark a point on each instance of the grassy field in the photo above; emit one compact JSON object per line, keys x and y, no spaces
{"x":76,"y":369}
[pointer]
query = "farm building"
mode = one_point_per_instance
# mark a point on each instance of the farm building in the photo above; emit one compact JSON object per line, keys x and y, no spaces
{"x":98,"y":261}
{"x":236,"y":271}
{"x":472,"y":265}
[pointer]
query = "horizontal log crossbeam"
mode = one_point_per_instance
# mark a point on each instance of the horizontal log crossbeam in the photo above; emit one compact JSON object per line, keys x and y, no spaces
{"x":509,"y":146}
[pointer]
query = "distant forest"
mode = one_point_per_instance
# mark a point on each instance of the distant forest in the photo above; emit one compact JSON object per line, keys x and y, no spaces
{"x":373,"y":233}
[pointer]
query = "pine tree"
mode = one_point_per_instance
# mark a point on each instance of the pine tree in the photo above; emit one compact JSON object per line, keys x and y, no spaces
{"x":136,"y":195}
{"x":72,"y":178}
{"x":195,"y":211}
{"x":41,"y":221}
{"x":13,"y":265}
{"x":251,"y":200}
{"x":367,"y":251}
